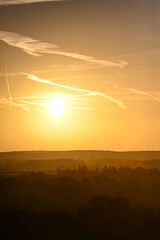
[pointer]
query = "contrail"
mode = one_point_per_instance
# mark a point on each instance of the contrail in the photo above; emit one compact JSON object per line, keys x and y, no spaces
{"x":66,"y":96}
{"x":35,"y":78}
{"x":37,"y":48}
{"x":91,"y":93}
{"x":13,"y":2}
{"x":143,"y":93}
{"x":33,"y":103}
{"x":45,"y":106}
{"x":8,"y":87}
{"x":4,"y":100}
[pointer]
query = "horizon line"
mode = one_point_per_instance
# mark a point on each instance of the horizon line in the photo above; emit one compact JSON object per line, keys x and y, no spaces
{"x":80,"y":150}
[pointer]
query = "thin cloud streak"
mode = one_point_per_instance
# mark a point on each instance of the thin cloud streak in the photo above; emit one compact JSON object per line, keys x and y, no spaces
{"x":18,"y":2}
{"x":49,"y":96}
{"x":6,"y":101}
{"x":88,"y":92}
{"x":8,"y":87}
{"x":35,"y":78}
{"x":46,"y":106}
{"x":33,"y":103}
{"x":143,"y":93}
{"x":36,"y":48}
{"x":37,"y":72}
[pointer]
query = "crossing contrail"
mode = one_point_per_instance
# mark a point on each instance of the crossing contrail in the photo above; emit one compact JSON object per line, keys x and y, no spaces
{"x":7,"y":101}
{"x":88,"y":92}
{"x":8,"y":87}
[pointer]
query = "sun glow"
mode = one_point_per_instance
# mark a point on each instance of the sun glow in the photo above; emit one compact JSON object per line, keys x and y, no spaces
{"x":56,"y":107}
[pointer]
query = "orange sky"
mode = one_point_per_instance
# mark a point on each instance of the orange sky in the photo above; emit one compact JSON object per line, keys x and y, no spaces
{"x":100,"y":59}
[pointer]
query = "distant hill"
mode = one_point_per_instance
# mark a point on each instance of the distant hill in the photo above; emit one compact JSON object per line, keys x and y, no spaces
{"x":49,"y":164}
{"x":81,"y":155}
{"x":42,"y":160}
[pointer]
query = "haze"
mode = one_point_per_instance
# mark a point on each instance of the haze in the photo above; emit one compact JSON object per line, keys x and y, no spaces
{"x":98,"y":59}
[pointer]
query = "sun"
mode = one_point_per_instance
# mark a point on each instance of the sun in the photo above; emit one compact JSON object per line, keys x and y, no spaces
{"x":56,"y":107}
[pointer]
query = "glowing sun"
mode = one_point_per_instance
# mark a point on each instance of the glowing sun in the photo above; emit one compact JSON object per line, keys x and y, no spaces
{"x":56,"y":107}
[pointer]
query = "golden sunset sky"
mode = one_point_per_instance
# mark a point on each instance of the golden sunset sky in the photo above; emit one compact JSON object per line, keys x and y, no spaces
{"x":79,"y":74}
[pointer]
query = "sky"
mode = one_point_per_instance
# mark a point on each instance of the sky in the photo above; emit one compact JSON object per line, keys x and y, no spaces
{"x":79,"y":74}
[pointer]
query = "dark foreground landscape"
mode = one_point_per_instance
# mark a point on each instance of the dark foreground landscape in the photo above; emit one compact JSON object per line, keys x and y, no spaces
{"x":80,"y":195}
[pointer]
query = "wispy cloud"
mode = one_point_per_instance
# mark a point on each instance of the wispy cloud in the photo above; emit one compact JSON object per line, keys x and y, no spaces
{"x":5,"y":101}
{"x":37,"y":48}
{"x":50,"y":96}
{"x":147,"y":94}
{"x":88,"y":92}
{"x":34,"y":103}
{"x":8,"y":86}
{"x":13,"y":2}
{"x":46,"y":105}
{"x":37,"y":79}
{"x":143,"y":93}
